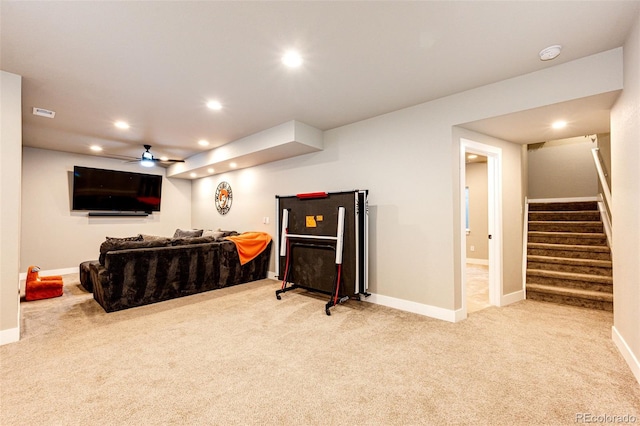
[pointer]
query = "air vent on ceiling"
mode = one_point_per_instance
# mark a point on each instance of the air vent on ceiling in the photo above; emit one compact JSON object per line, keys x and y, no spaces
{"x":44,"y":112}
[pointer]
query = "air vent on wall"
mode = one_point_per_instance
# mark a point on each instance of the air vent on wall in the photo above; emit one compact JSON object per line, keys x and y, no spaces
{"x":44,"y":112}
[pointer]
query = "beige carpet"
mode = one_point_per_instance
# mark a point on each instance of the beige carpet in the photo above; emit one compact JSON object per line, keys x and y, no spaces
{"x":239,"y":356}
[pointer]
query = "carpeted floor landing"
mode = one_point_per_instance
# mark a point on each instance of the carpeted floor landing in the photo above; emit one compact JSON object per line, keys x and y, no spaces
{"x":238,"y":356}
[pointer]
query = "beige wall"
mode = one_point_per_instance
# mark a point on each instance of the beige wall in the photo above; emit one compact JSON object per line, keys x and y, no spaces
{"x":10,"y":153}
{"x":625,"y":180}
{"x":49,"y":224}
{"x":562,"y":169}
{"x":409,"y":160}
{"x":476,"y":181}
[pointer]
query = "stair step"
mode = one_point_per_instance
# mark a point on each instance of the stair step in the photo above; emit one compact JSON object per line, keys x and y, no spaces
{"x":565,"y":215}
{"x":563,"y":264}
{"x":570,"y":279}
{"x":570,"y":247}
{"x":570,"y":276}
{"x":569,"y":251}
{"x":570,"y":261}
{"x":569,"y":296}
{"x":567,"y":226}
{"x":568,"y":206}
{"x":573,"y":238}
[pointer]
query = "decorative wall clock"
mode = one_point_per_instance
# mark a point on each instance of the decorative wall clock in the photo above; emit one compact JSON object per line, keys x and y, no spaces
{"x":224,"y":197}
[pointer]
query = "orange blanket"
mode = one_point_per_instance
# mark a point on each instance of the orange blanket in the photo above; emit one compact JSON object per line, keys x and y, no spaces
{"x":250,"y":244}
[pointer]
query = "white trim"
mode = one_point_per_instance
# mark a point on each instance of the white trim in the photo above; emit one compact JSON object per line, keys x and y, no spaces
{"x":494,"y":187}
{"x":606,"y":221}
{"x":478,"y":261}
{"x":463,"y":225}
{"x":562,"y":200}
{"x":10,"y":335}
{"x":525,"y":242}
{"x":626,"y":352}
{"x":63,"y":271}
{"x":510,"y":298}
{"x":602,"y":177}
{"x":417,"y":308}
{"x":272,"y":275}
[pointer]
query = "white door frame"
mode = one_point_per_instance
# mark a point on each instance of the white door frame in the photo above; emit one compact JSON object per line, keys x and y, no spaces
{"x":494,"y":187}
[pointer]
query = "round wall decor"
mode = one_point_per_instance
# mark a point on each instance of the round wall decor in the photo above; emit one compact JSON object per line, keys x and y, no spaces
{"x":224,"y":197}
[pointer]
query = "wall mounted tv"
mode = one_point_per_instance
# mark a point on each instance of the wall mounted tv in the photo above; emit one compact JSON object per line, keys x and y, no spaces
{"x":115,"y":191}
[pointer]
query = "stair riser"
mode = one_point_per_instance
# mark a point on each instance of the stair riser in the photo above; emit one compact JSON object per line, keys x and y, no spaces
{"x":595,"y":240}
{"x":579,"y":284}
{"x":569,"y":253}
{"x":567,"y":227}
{"x":578,"y":206}
{"x":573,"y":301}
{"x":577,"y":269}
{"x":562,"y":216}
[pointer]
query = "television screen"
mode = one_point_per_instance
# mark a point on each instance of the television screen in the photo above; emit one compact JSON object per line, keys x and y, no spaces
{"x":112,"y":190}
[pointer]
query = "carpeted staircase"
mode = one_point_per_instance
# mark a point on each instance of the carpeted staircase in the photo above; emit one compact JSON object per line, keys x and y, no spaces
{"x":568,"y":259}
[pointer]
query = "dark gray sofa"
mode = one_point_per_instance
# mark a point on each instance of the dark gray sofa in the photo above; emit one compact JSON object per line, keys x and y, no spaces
{"x":128,"y":277}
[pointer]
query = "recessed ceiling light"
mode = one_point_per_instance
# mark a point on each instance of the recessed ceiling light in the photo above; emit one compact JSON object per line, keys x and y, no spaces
{"x":193,"y":175}
{"x":95,"y":148}
{"x":472,"y":156}
{"x":233,"y":165}
{"x":214,"y":105}
{"x":203,"y":142}
{"x":292,"y":59}
{"x":210,"y":170}
{"x":559,"y":124}
{"x":121,"y":124}
{"x":551,"y":52}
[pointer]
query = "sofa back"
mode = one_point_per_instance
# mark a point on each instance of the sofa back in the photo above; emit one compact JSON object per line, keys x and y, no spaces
{"x":134,"y":277}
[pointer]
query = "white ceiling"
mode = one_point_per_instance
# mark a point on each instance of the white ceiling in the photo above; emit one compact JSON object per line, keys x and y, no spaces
{"x":155,"y":64}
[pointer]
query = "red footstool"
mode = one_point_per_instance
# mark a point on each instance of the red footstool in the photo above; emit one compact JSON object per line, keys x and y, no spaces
{"x":38,"y":287}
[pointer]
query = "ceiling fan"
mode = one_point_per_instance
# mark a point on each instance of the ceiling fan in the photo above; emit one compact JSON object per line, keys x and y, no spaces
{"x":148,"y":160}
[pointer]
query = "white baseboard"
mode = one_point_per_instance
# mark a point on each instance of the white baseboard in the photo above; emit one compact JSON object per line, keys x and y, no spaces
{"x":272,"y":275}
{"x":510,"y":298}
{"x":416,"y":308}
{"x":626,"y":352}
{"x":478,"y":261}
{"x":63,"y":271}
{"x":459,"y":315}
{"x":9,"y":336}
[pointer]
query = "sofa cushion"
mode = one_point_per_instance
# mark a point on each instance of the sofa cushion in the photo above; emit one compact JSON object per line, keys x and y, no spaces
{"x":119,"y":244}
{"x":154,"y":238}
{"x":228,"y":233}
{"x":134,"y":238}
{"x":214,"y":234}
{"x":192,"y":240}
{"x":187,"y":233}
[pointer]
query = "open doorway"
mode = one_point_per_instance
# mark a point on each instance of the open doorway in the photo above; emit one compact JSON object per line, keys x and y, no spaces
{"x":476,"y":231}
{"x":492,"y":234}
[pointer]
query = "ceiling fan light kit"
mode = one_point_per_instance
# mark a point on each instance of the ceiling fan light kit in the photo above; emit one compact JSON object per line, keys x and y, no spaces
{"x":148,"y":160}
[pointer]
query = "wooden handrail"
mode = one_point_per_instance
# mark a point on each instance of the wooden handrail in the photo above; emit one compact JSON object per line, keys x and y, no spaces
{"x":603,"y":181}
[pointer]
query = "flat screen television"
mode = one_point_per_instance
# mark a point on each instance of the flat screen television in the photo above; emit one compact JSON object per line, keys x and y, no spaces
{"x":115,"y":191}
